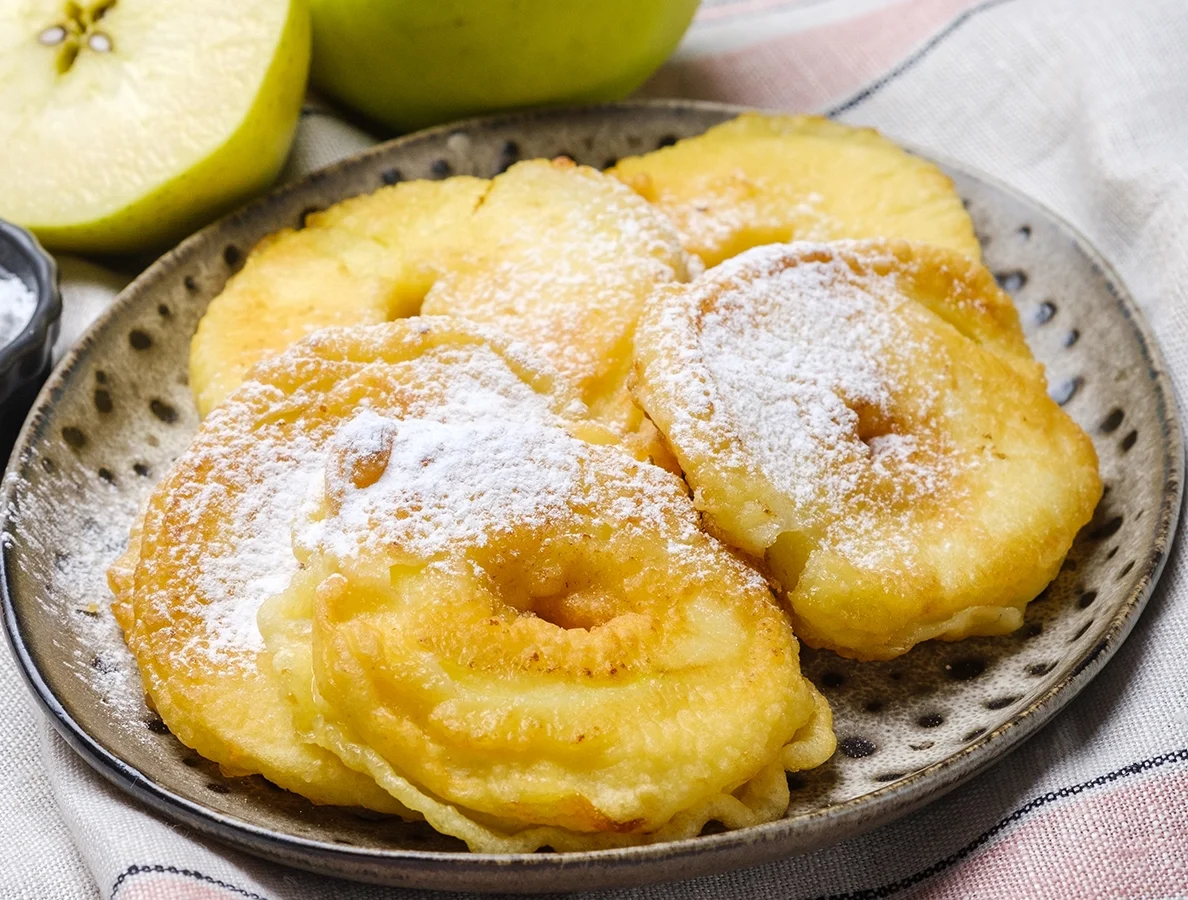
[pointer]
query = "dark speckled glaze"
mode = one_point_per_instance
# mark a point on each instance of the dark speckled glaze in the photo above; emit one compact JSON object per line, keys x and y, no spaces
{"x":118,"y":411}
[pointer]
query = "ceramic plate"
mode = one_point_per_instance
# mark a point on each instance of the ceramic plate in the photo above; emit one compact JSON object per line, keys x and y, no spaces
{"x":118,"y":410}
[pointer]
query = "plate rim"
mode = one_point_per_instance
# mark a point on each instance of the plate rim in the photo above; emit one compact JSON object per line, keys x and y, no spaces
{"x":673,"y":859}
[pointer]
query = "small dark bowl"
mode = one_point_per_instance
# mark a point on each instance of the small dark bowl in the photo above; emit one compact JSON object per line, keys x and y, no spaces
{"x":25,"y":361}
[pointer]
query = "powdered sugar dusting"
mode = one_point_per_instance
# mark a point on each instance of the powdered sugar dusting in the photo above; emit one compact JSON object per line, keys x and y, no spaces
{"x":564,"y":259}
{"x":259,"y":561}
{"x":801,"y":366}
{"x":73,"y":576}
{"x":709,"y":225}
{"x":426,"y":491}
{"x":445,"y":483}
{"x":792,"y":379}
{"x":258,"y":480}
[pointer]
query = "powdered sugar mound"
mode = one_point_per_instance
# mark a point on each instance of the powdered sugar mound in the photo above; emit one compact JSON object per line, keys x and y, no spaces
{"x":17,"y":304}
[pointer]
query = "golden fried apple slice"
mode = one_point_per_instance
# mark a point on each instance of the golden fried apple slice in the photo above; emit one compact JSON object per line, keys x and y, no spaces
{"x":216,"y":536}
{"x":866,"y":418}
{"x":366,"y":260}
{"x":764,"y":179}
{"x":527,"y":638}
{"x":558,"y":255}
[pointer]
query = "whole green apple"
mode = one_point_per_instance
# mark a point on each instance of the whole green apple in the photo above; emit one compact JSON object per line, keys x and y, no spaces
{"x":412,"y":63}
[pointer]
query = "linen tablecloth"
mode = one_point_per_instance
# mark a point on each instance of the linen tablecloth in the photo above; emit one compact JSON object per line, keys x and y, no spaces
{"x":1083,"y":104}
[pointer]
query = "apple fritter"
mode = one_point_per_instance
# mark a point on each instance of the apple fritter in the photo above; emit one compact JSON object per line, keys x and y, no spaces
{"x":866,"y":418}
{"x":215,"y":539}
{"x":558,"y":255}
{"x":764,"y":179}
{"x":563,"y":257}
{"x":365,"y":260}
{"x":526,"y":637}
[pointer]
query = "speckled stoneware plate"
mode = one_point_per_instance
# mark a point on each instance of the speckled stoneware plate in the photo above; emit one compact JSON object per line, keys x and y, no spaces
{"x":118,"y":410}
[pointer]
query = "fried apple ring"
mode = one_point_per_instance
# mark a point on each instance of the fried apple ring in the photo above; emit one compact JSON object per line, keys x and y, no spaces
{"x":867,"y":418}
{"x":526,"y":638}
{"x":216,"y":535}
{"x":764,"y":179}
{"x":363,"y":261}
{"x":558,"y":255}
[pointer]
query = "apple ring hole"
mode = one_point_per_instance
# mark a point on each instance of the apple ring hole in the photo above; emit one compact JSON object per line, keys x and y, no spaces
{"x":873,"y":422}
{"x":570,"y":581}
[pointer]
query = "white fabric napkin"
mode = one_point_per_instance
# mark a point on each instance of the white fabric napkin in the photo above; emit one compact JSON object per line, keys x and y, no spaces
{"x":1082,"y":104}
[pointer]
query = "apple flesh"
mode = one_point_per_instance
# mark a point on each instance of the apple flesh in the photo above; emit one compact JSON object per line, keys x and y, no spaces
{"x":412,"y":63}
{"x":126,"y":124}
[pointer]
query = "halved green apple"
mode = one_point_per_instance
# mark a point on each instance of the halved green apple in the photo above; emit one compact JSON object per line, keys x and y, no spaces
{"x":125,"y":124}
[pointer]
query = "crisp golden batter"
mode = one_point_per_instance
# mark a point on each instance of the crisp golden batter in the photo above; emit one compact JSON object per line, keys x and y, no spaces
{"x":500,"y":620}
{"x":526,"y":638}
{"x":763,"y":179}
{"x":215,"y":539}
{"x":560,"y":256}
{"x":419,"y":564}
{"x":867,"y":418}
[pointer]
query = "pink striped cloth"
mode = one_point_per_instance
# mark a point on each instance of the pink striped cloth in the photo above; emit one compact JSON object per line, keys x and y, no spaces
{"x":1082,"y":104}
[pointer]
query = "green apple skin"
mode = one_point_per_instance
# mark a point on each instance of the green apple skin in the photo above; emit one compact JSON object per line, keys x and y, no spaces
{"x":247,"y":163}
{"x":413,"y":63}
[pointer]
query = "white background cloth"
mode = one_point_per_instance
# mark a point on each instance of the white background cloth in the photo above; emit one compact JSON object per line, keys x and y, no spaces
{"x":1082,"y":104}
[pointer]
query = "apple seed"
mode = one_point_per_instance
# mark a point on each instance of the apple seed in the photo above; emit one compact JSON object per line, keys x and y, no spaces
{"x":52,"y":36}
{"x":77,"y":31}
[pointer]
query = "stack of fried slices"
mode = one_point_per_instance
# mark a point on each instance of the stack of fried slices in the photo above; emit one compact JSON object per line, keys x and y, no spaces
{"x":513,"y":496}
